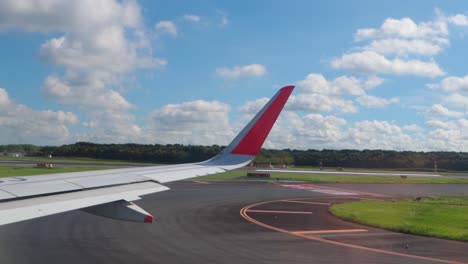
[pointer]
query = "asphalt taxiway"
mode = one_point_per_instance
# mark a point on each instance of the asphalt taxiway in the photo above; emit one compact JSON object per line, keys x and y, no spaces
{"x":229,"y":222}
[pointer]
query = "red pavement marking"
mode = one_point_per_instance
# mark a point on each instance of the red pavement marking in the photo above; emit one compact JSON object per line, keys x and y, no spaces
{"x":279,"y":212}
{"x":306,"y":232}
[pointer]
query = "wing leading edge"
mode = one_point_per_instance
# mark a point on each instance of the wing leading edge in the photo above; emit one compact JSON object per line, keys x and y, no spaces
{"x":109,"y":193}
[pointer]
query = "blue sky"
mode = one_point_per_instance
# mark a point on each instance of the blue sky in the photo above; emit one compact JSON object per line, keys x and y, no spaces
{"x":369,"y":75}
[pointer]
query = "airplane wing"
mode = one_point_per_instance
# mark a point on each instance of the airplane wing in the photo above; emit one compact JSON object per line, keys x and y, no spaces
{"x":110,"y":193}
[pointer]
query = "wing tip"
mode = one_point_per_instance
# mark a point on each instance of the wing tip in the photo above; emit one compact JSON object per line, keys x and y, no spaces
{"x":148,"y":219}
{"x":288,"y":88}
{"x":259,"y":128}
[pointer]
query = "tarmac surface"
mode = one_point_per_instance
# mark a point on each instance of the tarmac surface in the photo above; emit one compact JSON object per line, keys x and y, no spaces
{"x":229,"y":222}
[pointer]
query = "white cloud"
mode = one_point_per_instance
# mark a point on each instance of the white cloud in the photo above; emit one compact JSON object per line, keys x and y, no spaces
{"x":316,"y":94}
{"x":192,"y":18}
{"x":97,"y":44}
{"x":166,"y":27}
{"x":252,"y":107}
{"x":447,"y":135}
{"x":4,"y":98}
{"x":413,"y":128}
{"x":85,"y":91}
{"x":242,"y":71}
{"x":309,"y":131}
{"x":194,"y":122}
{"x":459,"y":20}
{"x":52,"y":15}
{"x":343,"y":85}
{"x":330,"y":132}
{"x":440,"y":110}
{"x":374,"y":134}
{"x":436,"y":123}
{"x":370,"y":101}
{"x":451,"y":84}
{"x":373,"y":81}
{"x":316,"y":103}
{"x":21,"y":124}
{"x":404,"y":47}
{"x":457,"y":99}
{"x":404,"y":28}
{"x":372,"y":62}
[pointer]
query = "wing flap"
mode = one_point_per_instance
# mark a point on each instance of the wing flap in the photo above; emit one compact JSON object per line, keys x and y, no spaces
{"x":194,"y":171}
{"x":21,"y":210}
{"x":93,"y":182}
{"x":4,"y":195}
{"x":39,"y":188}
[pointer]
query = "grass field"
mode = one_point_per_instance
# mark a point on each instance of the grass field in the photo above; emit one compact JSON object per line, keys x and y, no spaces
{"x":71,"y":160}
{"x":9,"y":171}
{"x":332,"y":178}
{"x":12,"y":170}
{"x":445,"y":217}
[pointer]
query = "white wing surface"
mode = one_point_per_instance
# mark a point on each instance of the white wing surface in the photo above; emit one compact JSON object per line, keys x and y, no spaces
{"x":110,"y":193}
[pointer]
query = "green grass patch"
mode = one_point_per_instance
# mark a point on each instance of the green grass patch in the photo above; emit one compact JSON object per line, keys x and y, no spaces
{"x":70,"y":160}
{"x":438,"y":217}
{"x":332,"y":178}
{"x":10,"y":171}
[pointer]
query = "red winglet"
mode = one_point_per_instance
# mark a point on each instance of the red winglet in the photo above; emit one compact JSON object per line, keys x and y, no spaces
{"x":253,"y":140}
{"x":148,"y":219}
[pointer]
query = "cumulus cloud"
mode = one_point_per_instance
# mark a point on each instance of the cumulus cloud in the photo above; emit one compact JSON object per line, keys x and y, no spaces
{"x":343,"y":85}
{"x":167,"y":27}
{"x":456,"y":99}
{"x":192,"y":18}
{"x":194,"y":122}
{"x":440,"y":110}
{"x":372,"y":62}
{"x":459,"y":20}
{"x":413,"y":128}
{"x":4,"y":98}
{"x":447,"y":135}
{"x":389,"y":48}
{"x":252,"y":107}
{"x":316,"y":94}
{"x":241,"y":71}
{"x":404,"y":47}
{"x":331,"y":132}
{"x":295,"y":131}
{"x":316,"y":103}
{"x":45,"y":15}
{"x":96,"y":44}
{"x":370,"y":101}
{"x":20,"y":124}
{"x":404,"y":28}
{"x":375,"y":134}
{"x":451,"y":84}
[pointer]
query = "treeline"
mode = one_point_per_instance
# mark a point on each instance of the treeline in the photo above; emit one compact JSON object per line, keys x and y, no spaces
{"x":170,"y":154}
